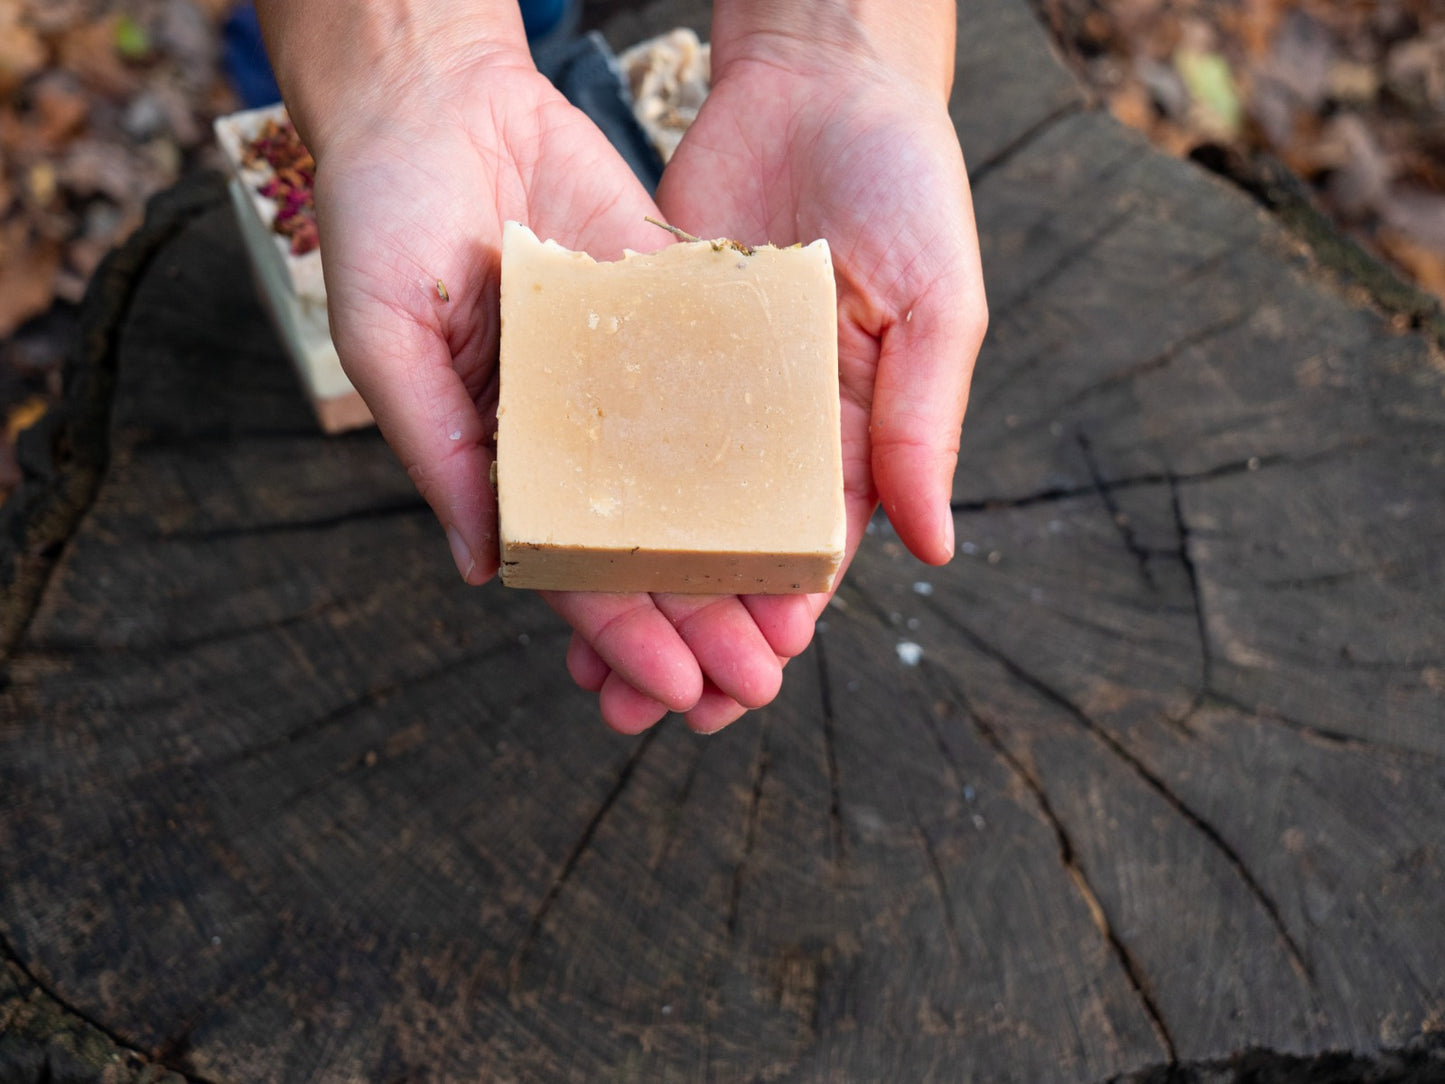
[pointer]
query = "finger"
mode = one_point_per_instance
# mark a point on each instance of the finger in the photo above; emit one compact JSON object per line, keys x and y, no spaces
{"x":404,"y":372}
{"x":640,"y":645}
{"x":786,"y":621}
{"x":585,"y":665}
{"x":714,"y":710}
{"x":733,"y":653}
{"x":924,"y":368}
{"x":626,"y":710}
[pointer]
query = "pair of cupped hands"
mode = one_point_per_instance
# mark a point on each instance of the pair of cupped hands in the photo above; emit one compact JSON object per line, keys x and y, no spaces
{"x":797,"y":140}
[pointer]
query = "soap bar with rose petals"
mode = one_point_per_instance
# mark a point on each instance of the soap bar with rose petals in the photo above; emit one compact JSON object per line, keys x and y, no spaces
{"x":669,"y":421}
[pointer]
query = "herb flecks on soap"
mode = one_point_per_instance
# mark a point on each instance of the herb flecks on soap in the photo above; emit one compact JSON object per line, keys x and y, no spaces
{"x":717,"y":246}
{"x":291,"y":186}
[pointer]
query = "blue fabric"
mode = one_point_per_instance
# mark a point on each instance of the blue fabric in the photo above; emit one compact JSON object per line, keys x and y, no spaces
{"x":583,"y":69}
{"x":540,"y":17}
{"x":243,"y":55}
{"x":587,"y":73}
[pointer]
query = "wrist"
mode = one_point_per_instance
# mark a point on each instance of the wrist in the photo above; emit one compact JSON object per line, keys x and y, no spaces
{"x":914,"y":42}
{"x":341,"y":64}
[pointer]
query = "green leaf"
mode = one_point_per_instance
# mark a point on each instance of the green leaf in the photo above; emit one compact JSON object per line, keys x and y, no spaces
{"x":1211,"y":87}
{"x":132,"y":40}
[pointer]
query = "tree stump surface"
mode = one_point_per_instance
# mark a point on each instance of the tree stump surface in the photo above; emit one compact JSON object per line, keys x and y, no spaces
{"x":1150,"y":780}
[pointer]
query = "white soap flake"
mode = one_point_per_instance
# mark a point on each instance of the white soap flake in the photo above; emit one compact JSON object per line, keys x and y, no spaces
{"x":922,"y":587}
{"x":592,"y":321}
{"x":909,"y":653}
{"x":455,"y":434}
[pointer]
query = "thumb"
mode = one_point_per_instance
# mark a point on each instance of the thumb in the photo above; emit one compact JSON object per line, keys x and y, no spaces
{"x":404,"y":371}
{"x":925,"y":365}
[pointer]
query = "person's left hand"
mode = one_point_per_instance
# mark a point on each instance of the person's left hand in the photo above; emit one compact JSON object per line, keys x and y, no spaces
{"x":783,"y":154}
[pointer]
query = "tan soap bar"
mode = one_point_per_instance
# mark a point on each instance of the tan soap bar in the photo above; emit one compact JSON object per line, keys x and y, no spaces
{"x":669,"y":421}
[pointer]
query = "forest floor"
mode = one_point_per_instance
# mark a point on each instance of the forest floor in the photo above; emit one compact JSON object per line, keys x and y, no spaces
{"x":105,"y":102}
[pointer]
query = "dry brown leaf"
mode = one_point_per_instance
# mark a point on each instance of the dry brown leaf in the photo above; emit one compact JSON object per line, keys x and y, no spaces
{"x":88,"y":50}
{"x":1363,"y":173}
{"x":1424,"y":263}
{"x":58,"y":108}
{"x":1417,"y":214}
{"x":1300,"y":59}
{"x":1254,"y":24}
{"x":97,"y":167}
{"x":22,"y":53}
{"x":23,"y":415}
{"x":1415,"y":70}
{"x":52,"y":17}
{"x":1132,"y":104}
{"x":26,"y":277}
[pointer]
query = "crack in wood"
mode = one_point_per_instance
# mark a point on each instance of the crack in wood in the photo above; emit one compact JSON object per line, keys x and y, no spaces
{"x":940,"y":884}
{"x":1422,"y":1062}
{"x":1116,"y":514}
{"x":1021,"y":142}
{"x":369,"y":698}
{"x":55,"y":512}
{"x":400,"y":508}
{"x":1252,"y":464}
{"x":1066,"y":260}
{"x":952,"y":691}
{"x":1336,"y":738}
{"x":830,"y":750}
{"x":1111,"y":743}
{"x":750,"y":836}
{"x":982,"y":393}
{"x":369,"y":757}
{"x":1196,"y":591}
{"x":1068,"y":856}
{"x":1158,"y":361}
{"x":985,"y":394}
{"x":155,"y":651}
{"x":1327,"y":579}
{"x":529,"y":940}
{"x":711,"y":1004}
{"x":1201,"y":268}
{"x":84,"y":1019}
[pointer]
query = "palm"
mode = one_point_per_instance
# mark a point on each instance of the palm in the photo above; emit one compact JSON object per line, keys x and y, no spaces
{"x":782,"y":157}
{"x":423,"y":201}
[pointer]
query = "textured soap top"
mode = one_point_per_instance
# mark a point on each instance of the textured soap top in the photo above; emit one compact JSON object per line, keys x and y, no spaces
{"x":669,"y":421}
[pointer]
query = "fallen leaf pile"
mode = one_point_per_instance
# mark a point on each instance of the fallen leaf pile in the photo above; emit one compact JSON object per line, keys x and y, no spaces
{"x":102,"y":104}
{"x":1349,"y":94}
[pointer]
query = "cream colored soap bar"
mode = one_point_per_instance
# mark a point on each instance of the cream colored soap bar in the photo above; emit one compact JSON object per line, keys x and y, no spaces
{"x":669,"y":422}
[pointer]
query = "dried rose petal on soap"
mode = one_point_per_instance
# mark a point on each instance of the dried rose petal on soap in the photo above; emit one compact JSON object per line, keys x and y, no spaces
{"x":291,"y":185}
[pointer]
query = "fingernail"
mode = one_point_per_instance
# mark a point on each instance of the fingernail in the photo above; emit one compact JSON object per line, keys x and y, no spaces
{"x":948,"y":537}
{"x":466,"y":563}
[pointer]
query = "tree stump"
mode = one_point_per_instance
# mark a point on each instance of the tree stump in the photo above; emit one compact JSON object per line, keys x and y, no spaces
{"x":1150,"y":780}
